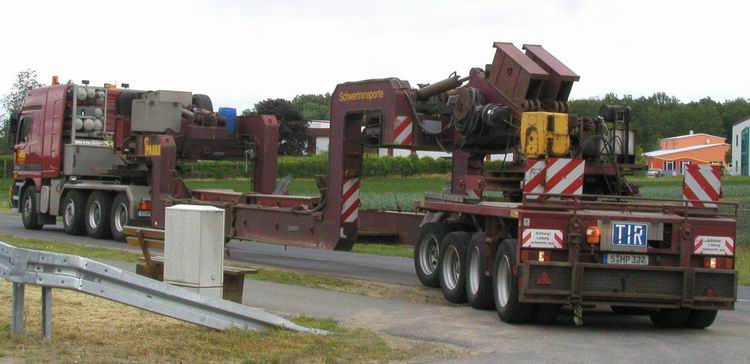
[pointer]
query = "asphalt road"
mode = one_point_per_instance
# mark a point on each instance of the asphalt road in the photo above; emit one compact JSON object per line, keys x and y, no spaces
{"x":341,"y":264}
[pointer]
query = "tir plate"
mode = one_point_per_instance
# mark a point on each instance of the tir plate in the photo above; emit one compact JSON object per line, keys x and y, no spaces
{"x":629,"y":234}
{"x":626,"y":259}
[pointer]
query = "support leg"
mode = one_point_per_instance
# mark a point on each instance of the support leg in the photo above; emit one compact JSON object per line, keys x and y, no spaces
{"x":16,"y":325}
{"x":47,"y":312}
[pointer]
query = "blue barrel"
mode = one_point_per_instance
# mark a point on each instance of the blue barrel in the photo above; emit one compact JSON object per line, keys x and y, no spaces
{"x":230,"y":115}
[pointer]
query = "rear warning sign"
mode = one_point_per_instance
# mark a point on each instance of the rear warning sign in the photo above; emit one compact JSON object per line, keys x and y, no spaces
{"x":714,"y":245}
{"x":542,"y":238}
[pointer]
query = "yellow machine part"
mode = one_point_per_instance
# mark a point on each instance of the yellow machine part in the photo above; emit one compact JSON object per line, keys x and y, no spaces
{"x":543,"y":134}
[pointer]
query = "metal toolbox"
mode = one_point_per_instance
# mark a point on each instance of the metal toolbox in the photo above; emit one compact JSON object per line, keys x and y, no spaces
{"x":155,"y":116}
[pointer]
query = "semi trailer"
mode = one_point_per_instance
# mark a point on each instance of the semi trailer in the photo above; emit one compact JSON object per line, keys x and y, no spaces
{"x":557,"y":226}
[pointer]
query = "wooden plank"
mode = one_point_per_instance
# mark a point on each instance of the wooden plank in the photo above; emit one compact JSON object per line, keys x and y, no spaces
{"x":150,"y":243}
{"x":229,"y":270}
{"x":150,"y":233}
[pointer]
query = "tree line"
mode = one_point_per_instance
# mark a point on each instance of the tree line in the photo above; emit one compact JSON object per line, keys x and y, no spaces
{"x":654,"y":117}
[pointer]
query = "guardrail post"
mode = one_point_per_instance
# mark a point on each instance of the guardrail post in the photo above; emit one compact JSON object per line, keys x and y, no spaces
{"x":47,"y":312}
{"x":16,"y":324}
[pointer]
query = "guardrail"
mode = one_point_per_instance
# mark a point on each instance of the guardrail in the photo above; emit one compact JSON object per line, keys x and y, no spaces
{"x":55,"y":270}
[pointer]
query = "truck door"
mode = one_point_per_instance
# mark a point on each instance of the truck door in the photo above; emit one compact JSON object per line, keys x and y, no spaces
{"x":27,"y":148}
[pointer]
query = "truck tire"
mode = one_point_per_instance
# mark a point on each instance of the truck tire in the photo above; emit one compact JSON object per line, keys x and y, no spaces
{"x":74,"y":206}
{"x":119,"y":216}
{"x":701,"y":319}
{"x":29,"y":209}
{"x":203,"y":102}
{"x":453,"y":266}
{"x":478,"y":284}
{"x":427,"y":252}
{"x":98,"y":208}
{"x":505,"y":287}
{"x":670,"y":318}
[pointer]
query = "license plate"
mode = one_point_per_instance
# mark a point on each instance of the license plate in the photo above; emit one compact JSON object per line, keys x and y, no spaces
{"x":143,"y":213}
{"x":629,"y":234}
{"x":627,"y":259}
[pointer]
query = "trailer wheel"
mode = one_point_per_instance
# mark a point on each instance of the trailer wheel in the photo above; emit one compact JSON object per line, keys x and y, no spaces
{"x":506,"y":291}
{"x":74,"y":207}
{"x":29,"y":209}
{"x":203,"y":102}
{"x":478,"y":284}
{"x":119,"y":216}
{"x":98,"y":208}
{"x":427,"y":252}
{"x":670,"y":318}
{"x":453,"y":266}
{"x":701,"y":319}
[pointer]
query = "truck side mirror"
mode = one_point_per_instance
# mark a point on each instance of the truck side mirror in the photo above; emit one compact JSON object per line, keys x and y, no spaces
{"x":12,"y":131}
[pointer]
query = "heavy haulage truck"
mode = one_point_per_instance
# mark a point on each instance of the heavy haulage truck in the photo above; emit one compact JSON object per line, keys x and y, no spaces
{"x":557,"y":226}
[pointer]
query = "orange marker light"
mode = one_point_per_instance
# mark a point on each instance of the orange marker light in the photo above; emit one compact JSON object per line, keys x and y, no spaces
{"x":593,"y":235}
{"x":144,"y":205}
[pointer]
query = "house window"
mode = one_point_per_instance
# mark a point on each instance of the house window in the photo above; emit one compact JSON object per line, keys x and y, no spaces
{"x":669,"y":166}
{"x":737,"y":140}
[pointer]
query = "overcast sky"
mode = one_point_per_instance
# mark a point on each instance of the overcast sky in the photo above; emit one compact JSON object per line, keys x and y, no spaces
{"x":240,"y":52}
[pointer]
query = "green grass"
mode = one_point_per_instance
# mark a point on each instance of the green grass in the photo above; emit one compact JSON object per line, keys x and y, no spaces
{"x":375,"y":192}
{"x":384,"y":249}
{"x":301,"y":279}
{"x":68,"y":248}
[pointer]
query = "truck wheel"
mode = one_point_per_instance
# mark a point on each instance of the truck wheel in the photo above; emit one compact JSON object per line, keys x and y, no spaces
{"x":119,"y":216}
{"x":506,"y":290}
{"x":546,"y":314}
{"x":701,"y":319}
{"x":29,"y":209}
{"x":98,"y":208}
{"x":670,"y":318}
{"x":74,"y":207}
{"x":203,"y":102}
{"x":453,"y":266}
{"x":478,"y":284}
{"x":427,"y":252}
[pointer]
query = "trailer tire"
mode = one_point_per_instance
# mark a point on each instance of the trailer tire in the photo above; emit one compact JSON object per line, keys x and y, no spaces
{"x":453,"y":266}
{"x":74,"y":206}
{"x":427,"y":252}
{"x":478,"y":284}
{"x":670,"y":318}
{"x":203,"y":102}
{"x":98,"y":208}
{"x":546,"y":314}
{"x":701,"y":319}
{"x":505,"y":287}
{"x":29,"y":209}
{"x":119,"y":216}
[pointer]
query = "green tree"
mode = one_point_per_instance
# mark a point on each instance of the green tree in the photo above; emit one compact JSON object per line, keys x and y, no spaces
{"x":292,"y":126}
{"x":12,"y":102}
{"x":314,"y":107}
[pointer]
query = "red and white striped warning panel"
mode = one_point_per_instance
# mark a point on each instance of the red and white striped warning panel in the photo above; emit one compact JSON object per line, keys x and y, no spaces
{"x":402,"y":130}
{"x":564,"y":176}
{"x":542,"y":238}
{"x":713,"y":245}
{"x":350,"y":198}
{"x":702,"y":182}
{"x":533,"y":178}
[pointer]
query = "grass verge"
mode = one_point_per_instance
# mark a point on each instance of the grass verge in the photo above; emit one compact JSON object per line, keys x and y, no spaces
{"x":742,"y":264}
{"x":384,"y":249}
{"x":74,"y":249}
{"x":90,"y":329}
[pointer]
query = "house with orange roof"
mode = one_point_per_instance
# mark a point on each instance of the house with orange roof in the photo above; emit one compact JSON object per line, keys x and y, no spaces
{"x":676,"y":153}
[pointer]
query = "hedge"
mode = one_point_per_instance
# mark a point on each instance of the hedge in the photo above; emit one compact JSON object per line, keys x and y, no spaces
{"x":310,"y":166}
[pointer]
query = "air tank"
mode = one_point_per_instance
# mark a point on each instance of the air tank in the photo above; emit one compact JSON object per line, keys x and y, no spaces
{"x":230,"y":116}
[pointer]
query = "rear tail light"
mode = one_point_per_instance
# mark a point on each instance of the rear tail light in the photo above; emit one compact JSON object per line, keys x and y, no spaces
{"x":718,"y":263}
{"x":593,"y":235}
{"x":536,"y":255}
{"x":144,"y":205}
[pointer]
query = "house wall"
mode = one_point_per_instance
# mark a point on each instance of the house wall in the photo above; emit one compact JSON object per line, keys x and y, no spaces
{"x":701,"y":156}
{"x":736,"y":143}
